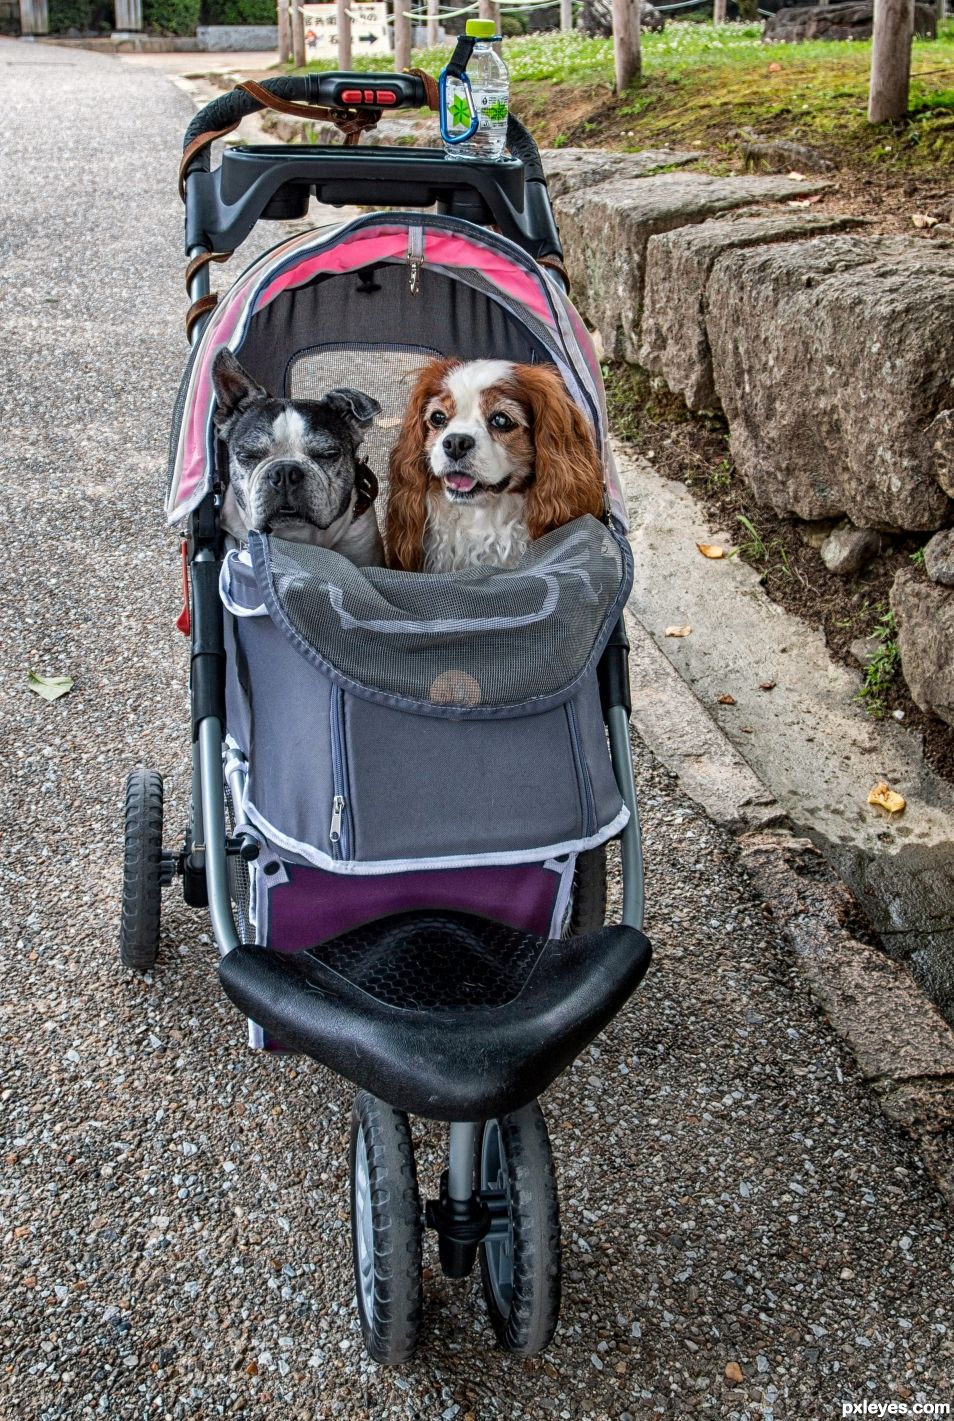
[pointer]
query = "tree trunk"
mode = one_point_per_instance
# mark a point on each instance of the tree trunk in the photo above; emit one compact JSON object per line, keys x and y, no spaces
{"x":718,"y":12}
{"x":626,"y":42}
{"x":433,"y":34}
{"x":298,"y":34}
{"x":344,"y":35}
{"x":890,"y":60}
{"x":941,"y":9}
{"x":566,"y":14}
{"x":284,"y":37}
{"x":402,"y":37}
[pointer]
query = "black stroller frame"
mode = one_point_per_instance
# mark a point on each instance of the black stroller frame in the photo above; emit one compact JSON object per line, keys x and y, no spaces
{"x":498,"y":1193}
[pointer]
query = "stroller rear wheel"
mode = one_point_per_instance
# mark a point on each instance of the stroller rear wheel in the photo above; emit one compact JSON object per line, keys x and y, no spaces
{"x":520,"y":1257}
{"x":386,"y":1229}
{"x":588,"y":905}
{"x":143,"y":870}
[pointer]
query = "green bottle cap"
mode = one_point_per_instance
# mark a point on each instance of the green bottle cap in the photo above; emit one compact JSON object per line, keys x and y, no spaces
{"x":481,"y":29}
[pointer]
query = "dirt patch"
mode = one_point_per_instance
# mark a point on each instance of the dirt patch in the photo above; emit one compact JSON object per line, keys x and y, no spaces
{"x":695,"y":450}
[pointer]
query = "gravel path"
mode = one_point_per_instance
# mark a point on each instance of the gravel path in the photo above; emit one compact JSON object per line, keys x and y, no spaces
{"x":173,"y":1207}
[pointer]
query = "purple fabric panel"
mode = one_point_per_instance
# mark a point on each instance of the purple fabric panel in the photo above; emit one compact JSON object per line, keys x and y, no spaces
{"x":315,"y":905}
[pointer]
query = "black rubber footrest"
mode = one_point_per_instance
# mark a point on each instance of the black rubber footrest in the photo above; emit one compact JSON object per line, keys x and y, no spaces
{"x":444,"y":1015}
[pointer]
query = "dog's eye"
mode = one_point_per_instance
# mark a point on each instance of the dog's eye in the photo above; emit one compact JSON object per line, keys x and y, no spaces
{"x":253,"y":453}
{"x":437,"y":419}
{"x":502,"y":421}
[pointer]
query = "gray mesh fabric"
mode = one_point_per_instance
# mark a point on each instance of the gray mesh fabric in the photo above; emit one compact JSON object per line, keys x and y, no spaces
{"x":477,"y":644}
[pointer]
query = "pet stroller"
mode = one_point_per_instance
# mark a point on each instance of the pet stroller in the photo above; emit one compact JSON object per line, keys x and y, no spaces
{"x":402,"y":784}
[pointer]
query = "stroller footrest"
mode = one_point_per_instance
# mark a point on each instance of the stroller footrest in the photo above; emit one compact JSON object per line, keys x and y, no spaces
{"x":444,"y":1015}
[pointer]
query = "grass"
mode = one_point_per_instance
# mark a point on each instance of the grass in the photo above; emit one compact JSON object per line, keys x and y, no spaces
{"x":883,"y":668}
{"x":701,"y":83}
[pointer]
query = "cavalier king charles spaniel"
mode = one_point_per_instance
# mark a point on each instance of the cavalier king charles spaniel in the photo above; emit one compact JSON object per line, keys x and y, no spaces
{"x":491,"y":455}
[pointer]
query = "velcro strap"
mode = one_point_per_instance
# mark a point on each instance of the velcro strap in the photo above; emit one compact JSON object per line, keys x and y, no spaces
{"x":459,"y":60}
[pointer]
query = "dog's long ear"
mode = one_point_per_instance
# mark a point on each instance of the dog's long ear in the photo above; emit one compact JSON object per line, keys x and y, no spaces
{"x":355,"y":407}
{"x":568,"y":478}
{"x":410,"y":474}
{"x":233,"y":385}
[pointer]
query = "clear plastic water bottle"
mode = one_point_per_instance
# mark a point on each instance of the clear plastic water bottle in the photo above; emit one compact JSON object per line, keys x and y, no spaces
{"x":490,"y":84}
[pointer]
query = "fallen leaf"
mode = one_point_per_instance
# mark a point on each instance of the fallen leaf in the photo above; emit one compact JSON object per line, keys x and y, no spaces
{"x":924,"y":219}
{"x":678,"y":631}
{"x":50,"y":688}
{"x":798,"y":177}
{"x":805,"y":201}
{"x":727,"y":700}
{"x":766,"y":685}
{"x":711,"y":550}
{"x":886,"y":798}
{"x":775,"y":68}
{"x":252,"y":1369}
{"x":734,"y":1373}
{"x":747,"y":730}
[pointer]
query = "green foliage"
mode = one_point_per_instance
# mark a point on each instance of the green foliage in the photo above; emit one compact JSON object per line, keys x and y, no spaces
{"x":917,"y":557}
{"x":883,"y":668}
{"x":511,"y":25}
{"x":171,"y":17}
{"x":756,"y":550}
{"x":70,"y":15}
{"x":240,"y":12}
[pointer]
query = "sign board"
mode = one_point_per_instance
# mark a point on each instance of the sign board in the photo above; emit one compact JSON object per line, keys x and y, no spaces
{"x":369,"y":30}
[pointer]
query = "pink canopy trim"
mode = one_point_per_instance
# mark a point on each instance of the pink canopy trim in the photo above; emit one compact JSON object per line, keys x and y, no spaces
{"x":334,"y":254}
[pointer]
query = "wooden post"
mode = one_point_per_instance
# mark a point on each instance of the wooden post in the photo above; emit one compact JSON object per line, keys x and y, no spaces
{"x":626,"y":42}
{"x":284,"y":33}
{"x":941,"y":9}
{"x":344,"y":35}
{"x":718,"y":12}
{"x":566,"y":14}
{"x":433,"y":33}
{"x":297,"y":34}
{"x":890,"y":60}
{"x":402,"y":37}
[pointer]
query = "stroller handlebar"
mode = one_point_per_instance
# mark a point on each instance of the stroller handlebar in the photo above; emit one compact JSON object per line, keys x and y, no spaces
{"x":276,"y":182}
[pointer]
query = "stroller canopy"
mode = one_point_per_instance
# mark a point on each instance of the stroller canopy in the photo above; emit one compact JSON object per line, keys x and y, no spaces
{"x":366,"y":304}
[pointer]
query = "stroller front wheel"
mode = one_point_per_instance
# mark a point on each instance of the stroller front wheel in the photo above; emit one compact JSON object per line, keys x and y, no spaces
{"x":386,"y":1229}
{"x":142,"y":870}
{"x":520,"y":1257}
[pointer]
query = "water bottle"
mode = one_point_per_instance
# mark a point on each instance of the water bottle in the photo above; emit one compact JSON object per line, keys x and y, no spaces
{"x":490,"y":87}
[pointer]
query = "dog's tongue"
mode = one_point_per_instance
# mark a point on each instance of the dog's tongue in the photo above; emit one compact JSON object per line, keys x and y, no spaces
{"x":462,"y":482}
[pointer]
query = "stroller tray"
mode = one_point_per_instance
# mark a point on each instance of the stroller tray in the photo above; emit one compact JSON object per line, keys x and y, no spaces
{"x":444,"y":1015}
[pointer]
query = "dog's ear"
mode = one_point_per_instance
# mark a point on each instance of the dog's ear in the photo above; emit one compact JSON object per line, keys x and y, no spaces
{"x":234,"y":387}
{"x":568,"y":471}
{"x":410,"y":476}
{"x":355,"y":407}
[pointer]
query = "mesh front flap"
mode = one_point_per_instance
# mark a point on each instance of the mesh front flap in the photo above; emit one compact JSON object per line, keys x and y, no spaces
{"x":472,"y":643}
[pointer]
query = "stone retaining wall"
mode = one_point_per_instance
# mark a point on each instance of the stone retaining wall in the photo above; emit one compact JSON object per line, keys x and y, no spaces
{"x":829,"y":348}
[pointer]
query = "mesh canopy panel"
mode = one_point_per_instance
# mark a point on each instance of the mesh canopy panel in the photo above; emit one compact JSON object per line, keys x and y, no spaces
{"x":473,"y":643}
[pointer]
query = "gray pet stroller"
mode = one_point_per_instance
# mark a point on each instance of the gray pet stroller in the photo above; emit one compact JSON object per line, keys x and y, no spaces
{"x":403,"y":784}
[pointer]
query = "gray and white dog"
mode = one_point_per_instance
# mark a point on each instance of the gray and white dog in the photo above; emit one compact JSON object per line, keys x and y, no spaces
{"x":293,"y":465}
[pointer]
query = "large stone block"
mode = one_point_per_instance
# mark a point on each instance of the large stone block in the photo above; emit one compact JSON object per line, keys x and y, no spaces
{"x":924,"y":612}
{"x":674,"y":340}
{"x":573,"y":169}
{"x":834,"y":362}
{"x":605,"y":230}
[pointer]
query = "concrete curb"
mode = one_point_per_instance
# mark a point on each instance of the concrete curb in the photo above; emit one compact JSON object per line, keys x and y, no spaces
{"x":903,"y":1046}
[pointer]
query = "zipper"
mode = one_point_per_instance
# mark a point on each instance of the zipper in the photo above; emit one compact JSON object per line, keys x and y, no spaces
{"x":582,"y":772}
{"x":415,"y":257}
{"x":339,"y":830}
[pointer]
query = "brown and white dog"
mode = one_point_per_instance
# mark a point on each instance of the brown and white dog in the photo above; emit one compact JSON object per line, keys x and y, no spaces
{"x":491,"y":455}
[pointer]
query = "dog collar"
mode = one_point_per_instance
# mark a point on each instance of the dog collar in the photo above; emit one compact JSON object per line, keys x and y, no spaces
{"x":366,"y":487}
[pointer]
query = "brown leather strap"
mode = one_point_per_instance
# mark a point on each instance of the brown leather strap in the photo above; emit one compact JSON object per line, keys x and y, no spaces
{"x":555,"y":264}
{"x":268,"y":100}
{"x":351,"y":122}
{"x":366,"y":487}
{"x":430,"y":87}
{"x":204,"y":140}
{"x":203,"y":259}
{"x":198,"y":309}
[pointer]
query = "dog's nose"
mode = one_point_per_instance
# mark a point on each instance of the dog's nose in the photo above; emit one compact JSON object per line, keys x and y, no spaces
{"x":284,"y":476}
{"x":457,"y":445}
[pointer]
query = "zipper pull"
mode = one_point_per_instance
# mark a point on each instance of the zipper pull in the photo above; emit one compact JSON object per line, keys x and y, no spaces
{"x":415,"y":257}
{"x":337,"y":810}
